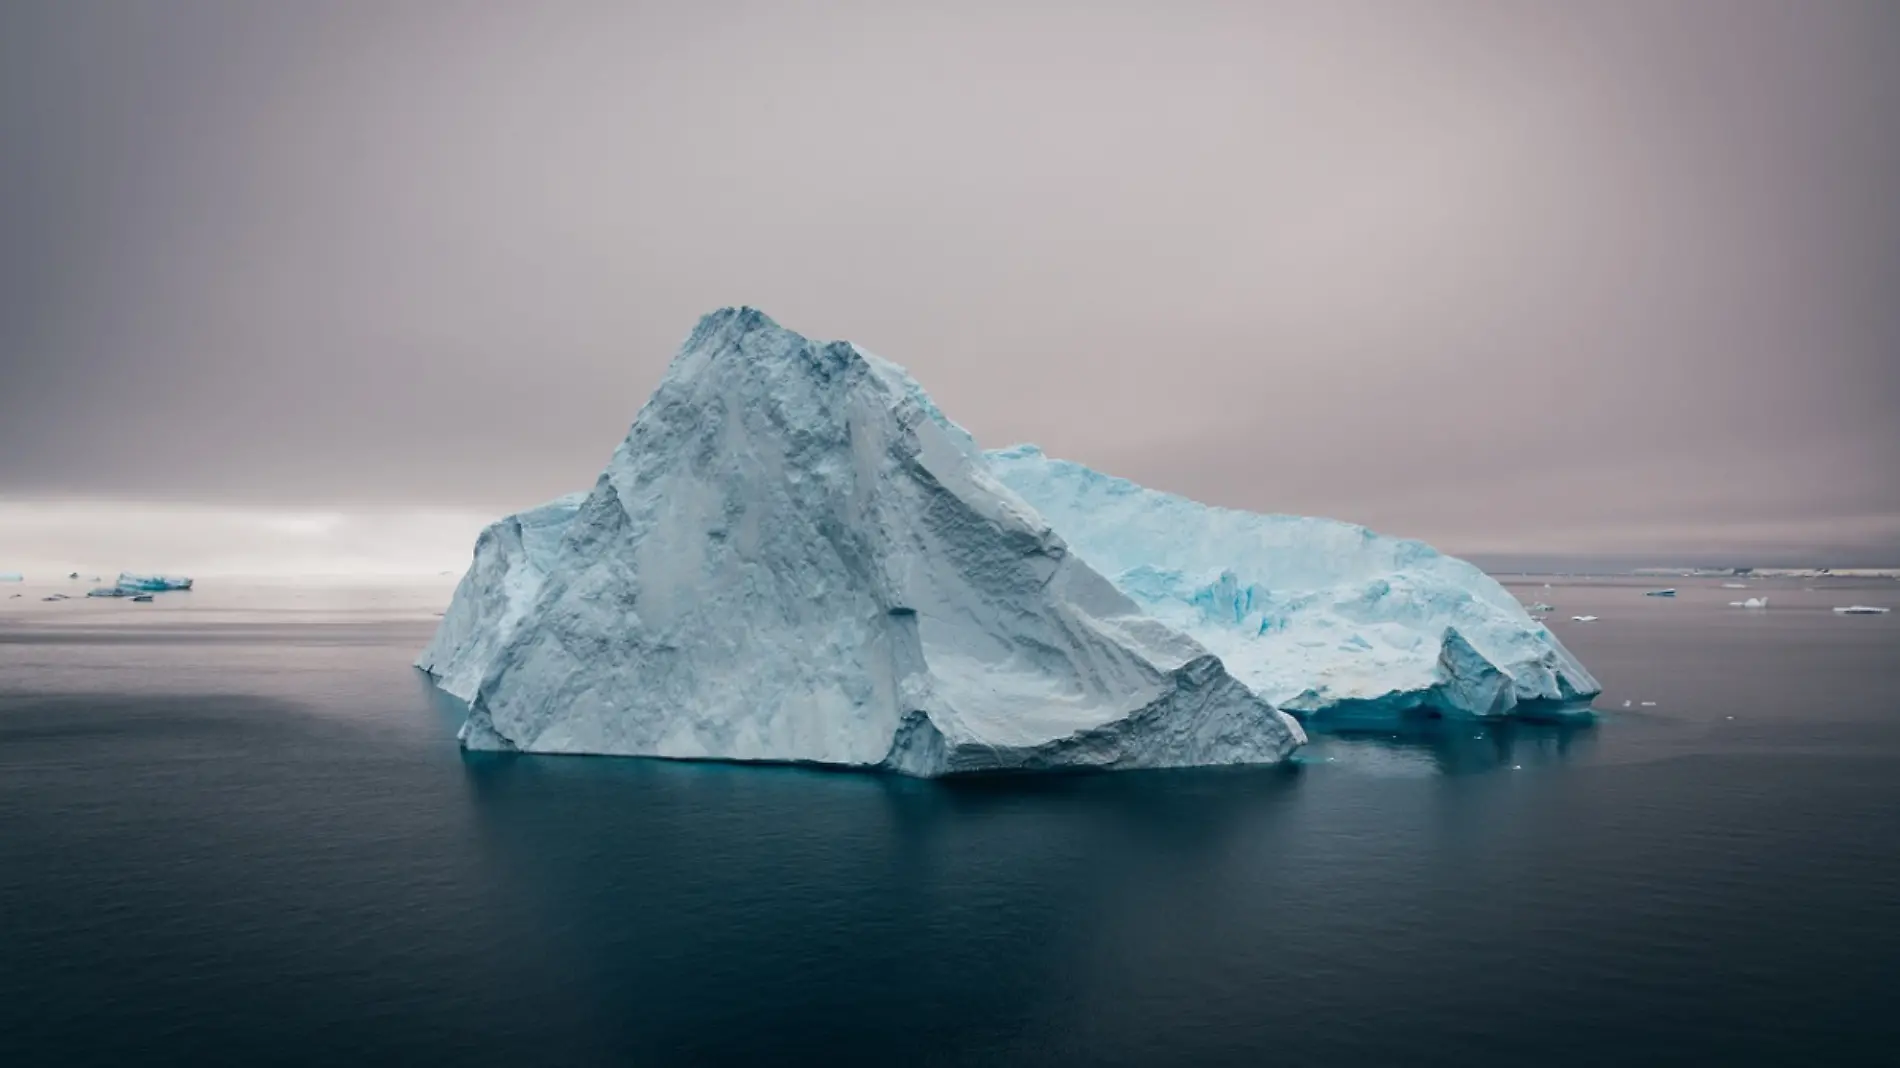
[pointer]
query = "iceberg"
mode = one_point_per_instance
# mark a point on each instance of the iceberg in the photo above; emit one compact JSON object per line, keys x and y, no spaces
{"x":11,"y":576}
{"x":1861,"y":610}
{"x":152,"y":583}
{"x":131,"y":585}
{"x":1661,"y":593}
{"x":1324,"y":619}
{"x":1751,"y":602}
{"x":794,"y":556}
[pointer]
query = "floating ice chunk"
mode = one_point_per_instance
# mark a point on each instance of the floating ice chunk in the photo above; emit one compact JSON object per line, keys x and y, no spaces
{"x":1661,"y":593}
{"x":1649,"y":704}
{"x":74,"y":575}
{"x":143,"y":598}
{"x":111,"y":591}
{"x":795,"y":556}
{"x":11,"y":576}
{"x":1584,"y":619}
{"x":1542,"y":607}
{"x":152,"y":583}
{"x":1862,"y":610}
{"x":1734,"y":585}
{"x":1752,"y":602}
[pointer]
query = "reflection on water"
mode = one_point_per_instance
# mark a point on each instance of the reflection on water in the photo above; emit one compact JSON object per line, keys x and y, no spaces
{"x":1450,"y":747}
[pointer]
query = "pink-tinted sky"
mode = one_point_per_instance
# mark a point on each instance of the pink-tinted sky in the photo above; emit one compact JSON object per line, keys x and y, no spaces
{"x":1514,"y":277}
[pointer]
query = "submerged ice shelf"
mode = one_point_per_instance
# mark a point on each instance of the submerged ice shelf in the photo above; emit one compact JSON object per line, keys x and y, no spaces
{"x":795,"y":556}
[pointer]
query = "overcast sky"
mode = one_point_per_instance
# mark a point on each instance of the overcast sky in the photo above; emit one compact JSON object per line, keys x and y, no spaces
{"x":1510,"y":276}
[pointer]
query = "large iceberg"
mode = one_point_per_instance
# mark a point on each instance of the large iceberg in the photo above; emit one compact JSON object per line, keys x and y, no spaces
{"x":794,"y":556}
{"x":1324,"y":619}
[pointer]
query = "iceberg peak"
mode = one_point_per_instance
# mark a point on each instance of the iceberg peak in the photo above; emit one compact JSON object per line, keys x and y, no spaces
{"x":795,"y":556}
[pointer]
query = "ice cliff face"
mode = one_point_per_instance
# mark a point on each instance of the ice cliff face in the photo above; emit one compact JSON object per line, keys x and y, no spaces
{"x":1325,"y":619}
{"x":511,"y":562}
{"x":794,"y":556}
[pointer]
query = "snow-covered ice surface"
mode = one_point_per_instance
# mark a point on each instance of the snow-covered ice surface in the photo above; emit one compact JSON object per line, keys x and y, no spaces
{"x":794,"y":556}
{"x":1324,"y":619}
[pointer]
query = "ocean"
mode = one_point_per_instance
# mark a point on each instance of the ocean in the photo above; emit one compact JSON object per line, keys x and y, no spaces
{"x":235,"y":828}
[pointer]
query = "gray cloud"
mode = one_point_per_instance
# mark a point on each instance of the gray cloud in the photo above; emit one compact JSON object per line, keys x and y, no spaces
{"x":1614,"y":276}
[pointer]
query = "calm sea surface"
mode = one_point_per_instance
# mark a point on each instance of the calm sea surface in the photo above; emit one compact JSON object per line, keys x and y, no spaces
{"x":235,"y":828}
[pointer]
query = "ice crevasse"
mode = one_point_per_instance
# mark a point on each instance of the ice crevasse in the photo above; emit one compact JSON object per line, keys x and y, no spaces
{"x":795,"y":556}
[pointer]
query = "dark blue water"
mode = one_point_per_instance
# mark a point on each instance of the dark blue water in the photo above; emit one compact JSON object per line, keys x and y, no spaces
{"x":235,"y":828}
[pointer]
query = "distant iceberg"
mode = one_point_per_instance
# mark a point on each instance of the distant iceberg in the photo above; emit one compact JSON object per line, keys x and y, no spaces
{"x":152,"y":583}
{"x":130,"y":584}
{"x":11,"y":576}
{"x":1752,"y":602}
{"x":1661,"y":593}
{"x":1862,"y":610}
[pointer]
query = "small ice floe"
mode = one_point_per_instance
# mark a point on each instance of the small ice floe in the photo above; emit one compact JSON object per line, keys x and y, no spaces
{"x":1584,"y":619}
{"x":57,"y":597}
{"x":1670,"y":592}
{"x":153,"y":583}
{"x":74,"y":575}
{"x":1626,"y":704}
{"x":1541,"y":607}
{"x":1861,"y":610}
{"x":143,"y":598}
{"x":1752,"y":602}
{"x":11,"y":576}
{"x":1734,"y":585}
{"x":1649,"y":704}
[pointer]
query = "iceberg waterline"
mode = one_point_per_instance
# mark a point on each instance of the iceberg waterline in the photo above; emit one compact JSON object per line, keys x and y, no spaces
{"x":795,"y":556}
